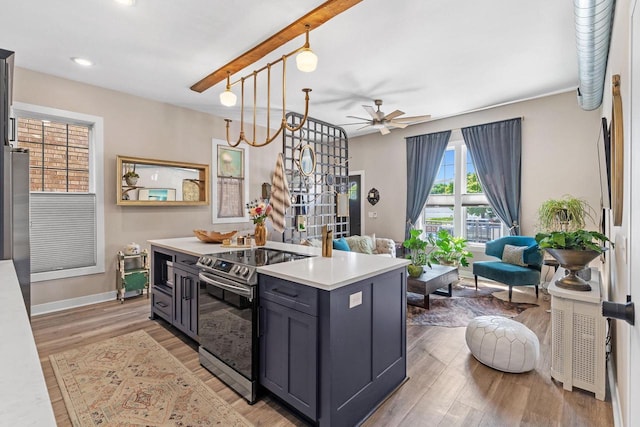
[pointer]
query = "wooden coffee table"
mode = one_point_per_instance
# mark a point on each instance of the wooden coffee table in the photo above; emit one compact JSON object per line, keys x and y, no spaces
{"x":434,"y":278}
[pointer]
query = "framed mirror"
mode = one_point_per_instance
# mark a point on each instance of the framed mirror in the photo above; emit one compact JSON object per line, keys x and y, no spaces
{"x":373,"y":196}
{"x":149,"y":182}
{"x":307,"y":160}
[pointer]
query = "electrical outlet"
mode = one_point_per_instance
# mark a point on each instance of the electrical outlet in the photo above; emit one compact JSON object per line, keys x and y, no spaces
{"x":375,"y":214}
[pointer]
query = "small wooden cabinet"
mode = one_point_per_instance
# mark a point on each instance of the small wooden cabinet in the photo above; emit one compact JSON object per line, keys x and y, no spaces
{"x":132,"y":274}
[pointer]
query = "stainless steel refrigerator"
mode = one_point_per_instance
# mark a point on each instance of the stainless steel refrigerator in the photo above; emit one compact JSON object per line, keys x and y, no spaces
{"x":14,"y":190}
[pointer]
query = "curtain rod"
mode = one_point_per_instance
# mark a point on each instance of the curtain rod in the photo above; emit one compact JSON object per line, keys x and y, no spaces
{"x":460,"y":129}
{"x":496,"y":121}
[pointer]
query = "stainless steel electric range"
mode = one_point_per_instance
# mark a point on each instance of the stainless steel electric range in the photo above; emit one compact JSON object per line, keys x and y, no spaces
{"x":228,"y":315}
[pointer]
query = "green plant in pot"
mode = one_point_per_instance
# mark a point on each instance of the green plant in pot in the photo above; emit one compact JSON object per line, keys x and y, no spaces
{"x":418,"y":253}
{"x":573,"y":250}
{"x":450,"y":250}
{"x":566,"y":214}
{"x":131,"y":177}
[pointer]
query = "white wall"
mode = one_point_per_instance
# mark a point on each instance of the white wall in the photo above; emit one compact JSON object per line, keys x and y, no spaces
{"x":559,"y":156}
{"x":617,"y":275}
{"x":140,"y":128}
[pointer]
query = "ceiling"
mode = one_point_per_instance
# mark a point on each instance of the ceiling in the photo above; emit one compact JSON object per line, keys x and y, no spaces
{"x":423,"y":57}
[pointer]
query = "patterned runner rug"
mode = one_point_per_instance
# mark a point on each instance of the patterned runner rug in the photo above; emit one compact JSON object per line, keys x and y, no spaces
{"x":131,"y":380}
{"x":467,"y":303}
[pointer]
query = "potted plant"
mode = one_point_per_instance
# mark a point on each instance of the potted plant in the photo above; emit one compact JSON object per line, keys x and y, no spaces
{"x":566,"y":214}
{"x":573,"y":250}
{"x":450,"y":250}
{"x":417,"y":252}
{"x":131,"y":177}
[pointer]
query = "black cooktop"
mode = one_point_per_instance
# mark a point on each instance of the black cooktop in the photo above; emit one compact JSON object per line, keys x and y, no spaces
{"x":257,"y":257}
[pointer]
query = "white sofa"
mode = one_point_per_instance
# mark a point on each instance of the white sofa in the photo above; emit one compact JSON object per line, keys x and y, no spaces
{"x":379,"y":245}
{"x":364,"y":244}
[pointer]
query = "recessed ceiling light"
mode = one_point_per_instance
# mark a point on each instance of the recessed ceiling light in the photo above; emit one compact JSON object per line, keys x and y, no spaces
{"x":82,"y":61}
{"x":126,"y":2}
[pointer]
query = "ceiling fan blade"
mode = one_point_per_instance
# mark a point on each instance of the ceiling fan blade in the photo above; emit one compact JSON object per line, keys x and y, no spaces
{"x":384,"y":130}
{"x":393,"y":115}
{"x":355,"y":123}
{"x":359,"y":118}
{"x":369,"y":109}
{"x":414,"y":120}
{"x":397,"y":124}
{"x":363,"y":127}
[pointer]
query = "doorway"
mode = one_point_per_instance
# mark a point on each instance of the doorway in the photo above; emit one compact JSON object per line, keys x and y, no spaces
{"x":356,"y":223}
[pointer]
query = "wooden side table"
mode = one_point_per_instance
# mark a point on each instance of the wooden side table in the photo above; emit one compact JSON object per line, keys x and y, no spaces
{"x":434,"y":278}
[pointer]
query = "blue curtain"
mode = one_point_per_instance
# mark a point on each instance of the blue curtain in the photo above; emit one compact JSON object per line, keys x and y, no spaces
{"x":424,"y":155}
{"x":496,"y":149}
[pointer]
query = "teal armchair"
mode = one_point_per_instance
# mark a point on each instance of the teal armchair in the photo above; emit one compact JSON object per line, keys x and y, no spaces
{"x":518,"y":266}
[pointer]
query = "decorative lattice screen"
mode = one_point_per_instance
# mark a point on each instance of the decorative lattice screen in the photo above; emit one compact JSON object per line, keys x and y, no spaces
{"x":314,"y":196}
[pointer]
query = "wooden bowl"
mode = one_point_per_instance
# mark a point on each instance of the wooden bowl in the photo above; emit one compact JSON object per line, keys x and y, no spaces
{"x":213,"y":236}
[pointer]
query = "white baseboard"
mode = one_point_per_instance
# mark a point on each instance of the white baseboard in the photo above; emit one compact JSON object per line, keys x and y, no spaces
{"x":51,"y":307}
{"x":615,"y":399}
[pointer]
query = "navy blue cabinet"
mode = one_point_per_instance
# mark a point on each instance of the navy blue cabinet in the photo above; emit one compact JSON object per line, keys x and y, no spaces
{"x":288,"y":355}
{"x":185,"y":300}
{"x":175,"y":289}
{"x":333,"y":355}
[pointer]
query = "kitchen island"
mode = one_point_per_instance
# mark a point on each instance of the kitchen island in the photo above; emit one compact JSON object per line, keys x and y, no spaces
{"x":332,"y":331}
{"x":25,"y":400}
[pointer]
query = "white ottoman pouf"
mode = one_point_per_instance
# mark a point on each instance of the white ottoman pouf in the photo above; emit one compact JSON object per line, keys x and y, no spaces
{"x":502,"y":343}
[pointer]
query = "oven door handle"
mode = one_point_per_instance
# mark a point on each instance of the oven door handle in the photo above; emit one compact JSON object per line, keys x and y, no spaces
{"x":240,"y":290}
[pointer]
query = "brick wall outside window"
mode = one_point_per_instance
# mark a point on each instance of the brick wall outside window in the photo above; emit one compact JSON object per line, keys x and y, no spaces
{"x":59,"y":155}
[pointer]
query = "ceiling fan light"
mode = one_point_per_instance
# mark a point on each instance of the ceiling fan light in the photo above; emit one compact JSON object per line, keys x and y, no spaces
{"x":228,"y":98}
{"x":377,"y":126}
{"x":306,"y":60}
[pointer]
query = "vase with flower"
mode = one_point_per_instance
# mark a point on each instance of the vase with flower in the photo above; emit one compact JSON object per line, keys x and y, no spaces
{"x":259,"y":211}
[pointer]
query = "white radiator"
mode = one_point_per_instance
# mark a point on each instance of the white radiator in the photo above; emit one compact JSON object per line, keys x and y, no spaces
{"x":578,"y":337}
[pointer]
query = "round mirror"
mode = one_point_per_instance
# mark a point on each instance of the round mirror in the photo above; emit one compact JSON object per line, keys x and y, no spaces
{"x":307,"y":160}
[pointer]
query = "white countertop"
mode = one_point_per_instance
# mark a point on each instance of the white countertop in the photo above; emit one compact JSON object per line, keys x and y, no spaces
{"x":24,"y":400}
{"x":341,"y":269}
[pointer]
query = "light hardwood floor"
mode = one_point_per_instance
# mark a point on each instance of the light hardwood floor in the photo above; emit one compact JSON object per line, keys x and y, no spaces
{"x":446,"y":386}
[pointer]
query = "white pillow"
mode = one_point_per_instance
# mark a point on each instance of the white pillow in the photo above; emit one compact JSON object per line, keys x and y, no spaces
{"x":360,"y":244}
{"x":514,"y":255}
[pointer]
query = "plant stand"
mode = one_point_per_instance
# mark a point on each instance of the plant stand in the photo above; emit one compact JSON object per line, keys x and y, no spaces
{"x":132,"y":274}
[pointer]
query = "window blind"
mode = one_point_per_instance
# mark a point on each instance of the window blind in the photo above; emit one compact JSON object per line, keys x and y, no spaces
{"x":63,"y":231}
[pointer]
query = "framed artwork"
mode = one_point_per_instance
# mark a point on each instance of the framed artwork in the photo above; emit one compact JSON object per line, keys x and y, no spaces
{"x":230,"y":162}
{"x":230,"y":184}
{"x":604,"y":164}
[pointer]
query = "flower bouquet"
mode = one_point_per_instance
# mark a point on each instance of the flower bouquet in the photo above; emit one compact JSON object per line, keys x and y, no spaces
{"x":259,"y":211}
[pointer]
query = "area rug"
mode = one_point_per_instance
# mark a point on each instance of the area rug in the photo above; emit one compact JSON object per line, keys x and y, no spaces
{"x":465,"y":304}
{"x":131,"y":380}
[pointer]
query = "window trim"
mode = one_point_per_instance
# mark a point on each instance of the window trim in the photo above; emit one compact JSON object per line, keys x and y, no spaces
{"x":459,"y":200}
{"x":96,"y":178}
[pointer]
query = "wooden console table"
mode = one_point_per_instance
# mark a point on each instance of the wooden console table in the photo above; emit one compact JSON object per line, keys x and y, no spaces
{"x":434,"y":278}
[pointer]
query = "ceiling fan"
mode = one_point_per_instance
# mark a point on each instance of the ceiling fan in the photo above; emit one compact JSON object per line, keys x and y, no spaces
{"x":386,"y":122}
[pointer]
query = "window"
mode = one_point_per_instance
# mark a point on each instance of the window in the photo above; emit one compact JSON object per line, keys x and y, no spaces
{"x":59,"y":155}
{"x":65,"y":170}
{"x":457,"y":203}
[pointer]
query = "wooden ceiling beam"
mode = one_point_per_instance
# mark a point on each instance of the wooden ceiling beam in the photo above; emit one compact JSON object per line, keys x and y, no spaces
{"x":314,"y":19}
